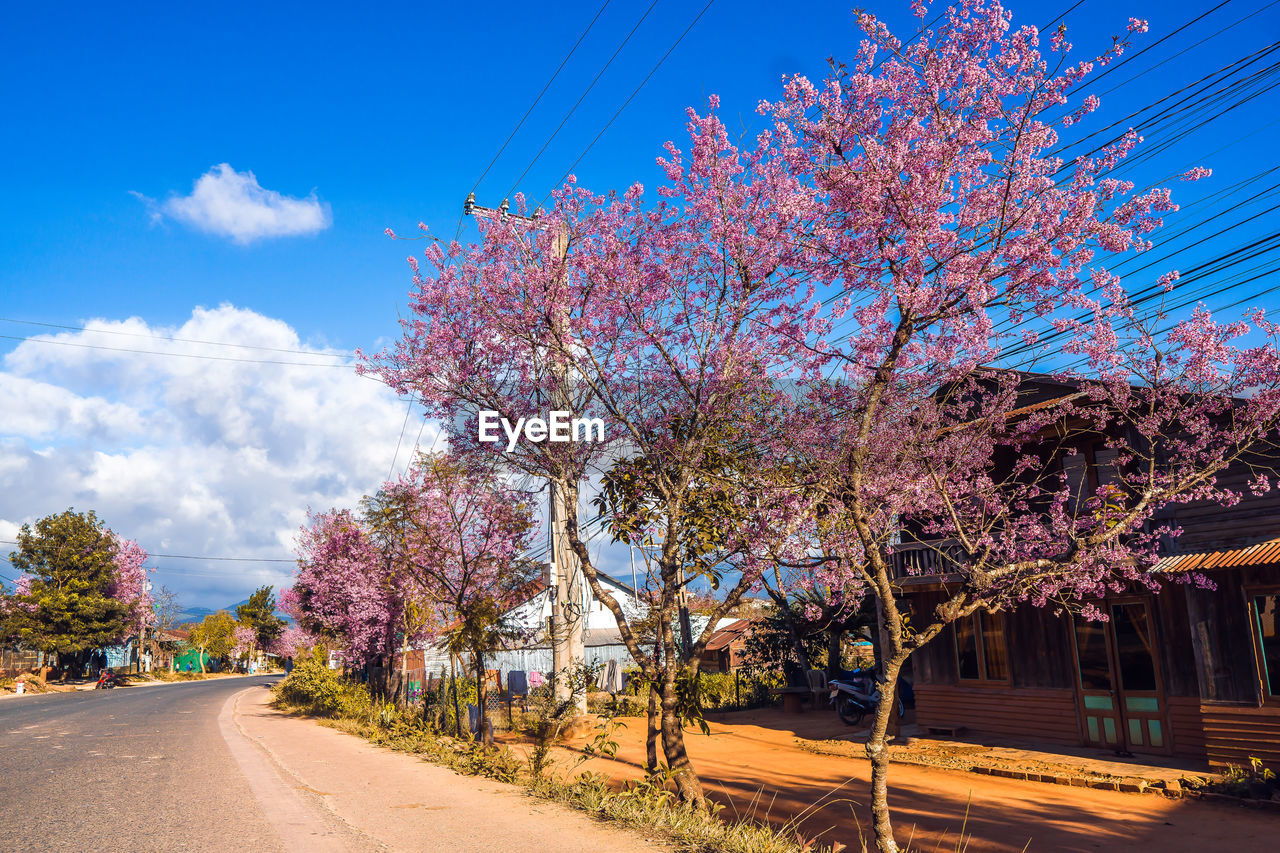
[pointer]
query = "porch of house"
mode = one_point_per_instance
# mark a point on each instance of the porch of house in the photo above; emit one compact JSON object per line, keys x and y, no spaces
{"x":977,"y":751}
{"x":1171,"y":677}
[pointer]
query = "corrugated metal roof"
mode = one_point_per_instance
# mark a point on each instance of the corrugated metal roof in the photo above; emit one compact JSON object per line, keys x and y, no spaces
{"x":728,"y":634}
{"x":1262,"y":554}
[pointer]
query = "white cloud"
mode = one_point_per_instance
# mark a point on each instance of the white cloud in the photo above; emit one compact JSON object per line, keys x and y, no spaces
{"x":192,"y":455}
{"x":233,"y":204}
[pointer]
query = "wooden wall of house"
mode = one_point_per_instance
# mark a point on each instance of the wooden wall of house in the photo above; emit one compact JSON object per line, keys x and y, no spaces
{"x":1039,"y":645}
{"x":1177,"y":653}
{"x":1225,"y":734}
{"x":1234,"y":734}
{"x":1212,"y":527}
{"x":1047,"y":715}
{"x":1207,"y":663}
{"x":1039,"y":703}
{"x":1186,"y":726}
{"x":936,"y":662}
{"x":1222,"y":641}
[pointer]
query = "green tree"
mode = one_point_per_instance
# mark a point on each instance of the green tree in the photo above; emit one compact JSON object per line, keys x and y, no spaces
{"x":70,"y":560}
{"x":215,"y":636}
{"x":259,"y":613}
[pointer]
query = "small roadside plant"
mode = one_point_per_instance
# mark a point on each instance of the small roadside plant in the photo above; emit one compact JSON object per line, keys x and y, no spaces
{"x":1256,"y":781}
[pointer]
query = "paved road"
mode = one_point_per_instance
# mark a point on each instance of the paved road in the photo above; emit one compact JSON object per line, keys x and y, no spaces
{"x":208,"y":766}
{"x":132,"y":769}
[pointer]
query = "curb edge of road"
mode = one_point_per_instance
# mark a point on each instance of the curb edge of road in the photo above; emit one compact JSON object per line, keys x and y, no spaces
{"x":299,"y":824}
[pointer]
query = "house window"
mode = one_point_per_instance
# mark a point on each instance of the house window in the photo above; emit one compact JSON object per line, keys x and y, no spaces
{"x":981,"y":650}
{"x":1266,"y":621}
{"x":1075,"y":469}
{"x":1087,"y":470}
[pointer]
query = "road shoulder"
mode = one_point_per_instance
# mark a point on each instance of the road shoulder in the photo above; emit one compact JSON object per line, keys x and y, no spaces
{"x":405,"y":803}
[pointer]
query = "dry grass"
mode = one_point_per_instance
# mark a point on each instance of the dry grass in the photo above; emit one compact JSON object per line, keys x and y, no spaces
{"x":650,"y":806}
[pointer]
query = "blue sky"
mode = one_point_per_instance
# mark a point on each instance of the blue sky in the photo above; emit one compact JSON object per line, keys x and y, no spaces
{"x":374,"y":117}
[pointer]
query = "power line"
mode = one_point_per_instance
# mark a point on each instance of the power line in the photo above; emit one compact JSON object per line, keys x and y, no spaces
{"x":1155,"y":145}
{"x":35,"y":340}
{"x":630,"y":97}
{"x":193,"y":557}
{"x":400,"y":440}
{"x":340,"y":354}
{"x":457,"y":231}
{"x":581,"y":97}
{"x":1126,"y":60}
{"x":1182,"y":53}
{"x":527,"y":112}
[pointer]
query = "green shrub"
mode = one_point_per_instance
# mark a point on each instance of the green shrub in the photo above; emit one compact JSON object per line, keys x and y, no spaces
{"x":723,"y":691}
{"x":315,"y":689}
{"x":623,"y":706}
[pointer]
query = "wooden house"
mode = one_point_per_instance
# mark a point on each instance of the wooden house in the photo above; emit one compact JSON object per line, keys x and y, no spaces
{"x":1192,"y":671}
{"x":726,"y":647}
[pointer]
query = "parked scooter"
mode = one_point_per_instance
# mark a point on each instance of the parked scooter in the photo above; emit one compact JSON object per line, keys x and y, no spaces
{"x":106,"y":680}
{"x":857,"y":695}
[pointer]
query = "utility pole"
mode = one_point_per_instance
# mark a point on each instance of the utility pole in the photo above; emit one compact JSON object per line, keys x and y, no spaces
{"x":568,"y":605}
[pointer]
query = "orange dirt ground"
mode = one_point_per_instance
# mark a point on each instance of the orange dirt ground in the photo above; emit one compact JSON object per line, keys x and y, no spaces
{"x":762,"y":771}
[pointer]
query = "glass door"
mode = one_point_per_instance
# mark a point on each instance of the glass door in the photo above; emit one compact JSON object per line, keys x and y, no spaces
{"x":1141,"y":700}
{"x":1120,"y":691}
{"x":1098,"y":698}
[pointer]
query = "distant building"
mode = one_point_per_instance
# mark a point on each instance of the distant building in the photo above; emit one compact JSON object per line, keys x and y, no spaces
{"x":726,"y":649}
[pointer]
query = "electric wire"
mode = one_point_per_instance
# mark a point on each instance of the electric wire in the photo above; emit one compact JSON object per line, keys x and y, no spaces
{"x":392,"y":470}
{"x":195,"y":557}
{"x":581,"y":98}
{"x":545,"y":87}
{"x":1231,"y":68}
{"x":36,"y":340}
{"x":340,"y":354}
{"x":1127,"y":59}
{"x":625,"y":103}
{"x":1180,"y":54}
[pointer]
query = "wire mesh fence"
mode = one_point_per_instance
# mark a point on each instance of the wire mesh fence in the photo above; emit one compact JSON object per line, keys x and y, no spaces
{"x":448,"y":699}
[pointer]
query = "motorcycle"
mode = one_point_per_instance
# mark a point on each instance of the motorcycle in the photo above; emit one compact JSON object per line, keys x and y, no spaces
{"x":857,"y":695}
{"x":106,"y":680}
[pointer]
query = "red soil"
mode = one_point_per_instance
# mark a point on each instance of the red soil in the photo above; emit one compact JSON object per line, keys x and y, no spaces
{"x":763,"y":772}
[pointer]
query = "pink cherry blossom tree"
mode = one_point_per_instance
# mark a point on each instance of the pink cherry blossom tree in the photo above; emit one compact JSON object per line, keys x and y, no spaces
{"x":670,"y":321}
{"x":293,"y":640}
{"x":950,"y":224}
{"x":344,"y":589}
{"x":244,"y":639}
{"x":921,"y":186}
{"x":129,"y":585}
{"x":461,"y":533}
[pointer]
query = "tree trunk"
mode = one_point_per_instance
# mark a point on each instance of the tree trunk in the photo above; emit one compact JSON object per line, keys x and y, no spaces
{"x":480,"y":703}
{"x":884,"y":651}
{"x":793,"y":632}
{"x":453,"y":686}
{"x":404,"y":668}
{"x":688,"y":787}
{"x":653,"y":733}
{"x":835,"y":651}
{"x":877,"y":748}
{"x":202,"y":660}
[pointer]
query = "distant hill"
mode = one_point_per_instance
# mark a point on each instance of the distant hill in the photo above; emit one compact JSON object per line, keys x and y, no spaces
{"x":196,"y":614}
{"x":193,"y":614}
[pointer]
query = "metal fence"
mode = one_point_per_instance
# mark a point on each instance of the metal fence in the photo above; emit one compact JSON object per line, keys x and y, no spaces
{"x":16,"y":661}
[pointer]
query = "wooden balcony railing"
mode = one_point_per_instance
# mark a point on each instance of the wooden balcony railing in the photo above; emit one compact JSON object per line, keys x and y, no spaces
{"x":925,"y":559}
